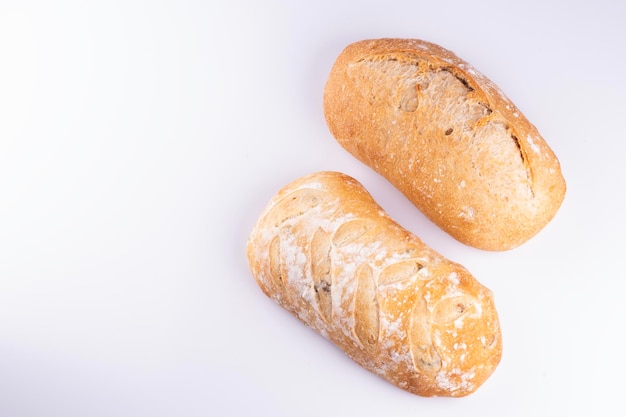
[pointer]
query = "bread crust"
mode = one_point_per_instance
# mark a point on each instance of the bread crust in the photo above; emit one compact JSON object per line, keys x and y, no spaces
{"x":328,"y":253}
{"x":446,"y":137}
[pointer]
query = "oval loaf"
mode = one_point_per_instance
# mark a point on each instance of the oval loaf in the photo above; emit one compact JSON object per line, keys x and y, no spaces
{"x":328,"y":253}
{"x":447,"y":138}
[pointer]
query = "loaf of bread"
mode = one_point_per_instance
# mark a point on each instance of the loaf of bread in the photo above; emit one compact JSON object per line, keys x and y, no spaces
{"x":447,"y":138}
{"x":328,"y":253}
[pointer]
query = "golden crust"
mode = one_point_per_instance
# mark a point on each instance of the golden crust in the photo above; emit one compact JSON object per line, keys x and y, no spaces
{"x":445,"y":136}
{"x":329,"y":254}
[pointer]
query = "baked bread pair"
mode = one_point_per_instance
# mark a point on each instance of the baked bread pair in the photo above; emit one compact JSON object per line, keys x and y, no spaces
{"x":463,"y":154}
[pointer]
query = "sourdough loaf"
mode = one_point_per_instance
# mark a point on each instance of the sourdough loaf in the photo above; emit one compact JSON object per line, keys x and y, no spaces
{"x":446,"y":137}
{"x":328,"y":253}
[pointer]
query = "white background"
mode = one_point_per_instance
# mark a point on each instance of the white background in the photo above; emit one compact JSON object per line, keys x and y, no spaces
{"x":140,"y":140}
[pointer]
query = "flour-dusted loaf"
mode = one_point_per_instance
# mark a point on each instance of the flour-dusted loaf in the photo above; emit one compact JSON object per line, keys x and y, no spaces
{"x":447,"y":138}
{"x":328,"y":253}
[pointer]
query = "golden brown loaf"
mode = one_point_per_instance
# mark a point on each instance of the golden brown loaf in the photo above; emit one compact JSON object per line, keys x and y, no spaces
{"x":447,"y":138}
{"x":327,"y":253}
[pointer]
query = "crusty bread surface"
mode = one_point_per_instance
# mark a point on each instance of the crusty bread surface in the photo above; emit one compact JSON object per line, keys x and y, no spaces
{"x":446,"y":137}
{"x":327,"y":252}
